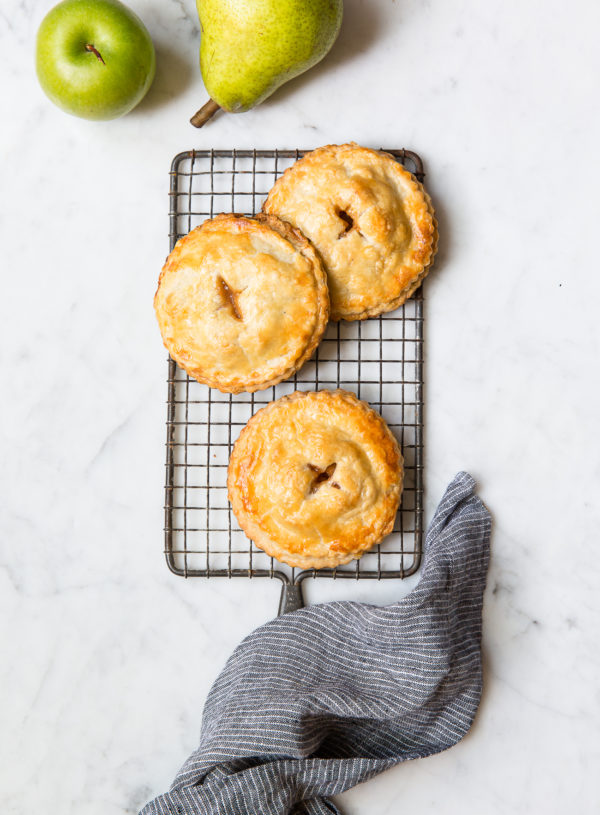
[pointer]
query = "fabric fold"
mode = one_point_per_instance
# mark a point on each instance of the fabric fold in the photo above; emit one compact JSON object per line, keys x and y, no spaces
{"x":320,"y":699}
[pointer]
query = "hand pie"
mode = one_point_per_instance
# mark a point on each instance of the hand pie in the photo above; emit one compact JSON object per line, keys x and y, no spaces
{"x":242,"y":302}
{"x":370,"y":220}
{"x":315,"y":478}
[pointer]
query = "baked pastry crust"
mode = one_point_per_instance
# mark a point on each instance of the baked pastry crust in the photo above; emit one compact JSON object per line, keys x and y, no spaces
{"x":370,"y":220}
{"x":315,"y":478}
{"x":242,"y":302}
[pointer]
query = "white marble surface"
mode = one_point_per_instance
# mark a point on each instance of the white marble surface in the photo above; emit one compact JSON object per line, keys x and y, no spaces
{"x":107,"y":657}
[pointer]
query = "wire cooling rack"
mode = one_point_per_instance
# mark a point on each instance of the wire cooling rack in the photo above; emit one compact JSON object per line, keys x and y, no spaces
{"x":380,"y":359}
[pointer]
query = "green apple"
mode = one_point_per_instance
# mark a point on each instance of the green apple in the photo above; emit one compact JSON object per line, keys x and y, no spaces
{"x":94,"y":58}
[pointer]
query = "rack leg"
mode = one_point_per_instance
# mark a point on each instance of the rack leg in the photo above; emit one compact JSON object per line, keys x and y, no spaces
{"x":291,"y":598}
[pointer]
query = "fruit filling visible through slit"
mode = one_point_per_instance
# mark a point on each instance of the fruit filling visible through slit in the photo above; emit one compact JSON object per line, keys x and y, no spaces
{"x":348,"y":221}
{"x":230,"y":297}
{"x":321,"y":477}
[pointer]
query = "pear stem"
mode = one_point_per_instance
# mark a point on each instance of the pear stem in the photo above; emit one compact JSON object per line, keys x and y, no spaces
{"x":95,"y":51}
{"x":206,"y":112}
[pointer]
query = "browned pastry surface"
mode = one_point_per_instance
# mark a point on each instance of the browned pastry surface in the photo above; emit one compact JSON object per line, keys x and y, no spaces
{"x":315,"y":478}
{"x":242,"y":302}
{"x":370,"y":220}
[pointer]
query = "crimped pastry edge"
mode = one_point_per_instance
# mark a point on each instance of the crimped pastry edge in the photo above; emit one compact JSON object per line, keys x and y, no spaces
{"x":407,"y":292}
{"x":251,"y":527}
{"x":430,"y":229}
{"x":301,"y":243}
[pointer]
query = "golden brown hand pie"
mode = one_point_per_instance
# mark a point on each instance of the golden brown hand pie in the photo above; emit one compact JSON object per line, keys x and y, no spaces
{"x":242,"y":302}
{"x":315,"y":478}
{"x":370,"y":220}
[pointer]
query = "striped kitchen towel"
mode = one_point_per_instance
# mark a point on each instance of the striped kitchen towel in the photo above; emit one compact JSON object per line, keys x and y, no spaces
{"x":320,"y":699}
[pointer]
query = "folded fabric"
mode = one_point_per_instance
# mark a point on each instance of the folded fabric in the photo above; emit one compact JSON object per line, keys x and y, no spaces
{"x":320,"y":699}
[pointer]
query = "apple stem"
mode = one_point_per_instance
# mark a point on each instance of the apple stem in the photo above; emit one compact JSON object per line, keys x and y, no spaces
{"x":202,"y":116}
{"x":95,"y":51}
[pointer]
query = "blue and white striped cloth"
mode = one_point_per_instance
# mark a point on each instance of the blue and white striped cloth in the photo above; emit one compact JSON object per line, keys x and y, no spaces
{"x":320,"y":699}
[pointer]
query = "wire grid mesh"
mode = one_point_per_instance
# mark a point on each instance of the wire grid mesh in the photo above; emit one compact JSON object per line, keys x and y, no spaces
{"x":380,"y":359}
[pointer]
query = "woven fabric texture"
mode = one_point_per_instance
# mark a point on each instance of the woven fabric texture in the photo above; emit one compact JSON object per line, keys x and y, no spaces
{"x":320,"y":699}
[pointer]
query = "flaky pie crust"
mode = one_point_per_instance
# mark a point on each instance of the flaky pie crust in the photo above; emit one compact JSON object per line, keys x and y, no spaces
{"x":242,"y":302}
{"x":370,"y":220}
{"x":315,"y":478}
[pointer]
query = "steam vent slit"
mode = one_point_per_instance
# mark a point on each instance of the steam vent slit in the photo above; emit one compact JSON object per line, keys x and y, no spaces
{"x":321,"y":477}
{"x":230,"y":297}
{"x":348,"y":221}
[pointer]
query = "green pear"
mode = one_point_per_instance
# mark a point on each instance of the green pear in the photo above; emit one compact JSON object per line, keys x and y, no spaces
{"x":249,"y":48}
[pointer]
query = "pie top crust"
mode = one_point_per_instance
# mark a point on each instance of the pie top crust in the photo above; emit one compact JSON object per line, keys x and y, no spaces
{"x":315,"y":478}
{"x":242,"y":302}
{"x":370,"y":220}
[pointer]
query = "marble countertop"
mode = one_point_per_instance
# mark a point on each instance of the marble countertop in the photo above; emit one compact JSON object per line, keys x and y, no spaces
{"x":106,"y":656}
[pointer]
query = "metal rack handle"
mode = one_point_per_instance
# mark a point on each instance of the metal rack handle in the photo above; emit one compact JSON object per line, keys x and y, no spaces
{"x":291,"y":598}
